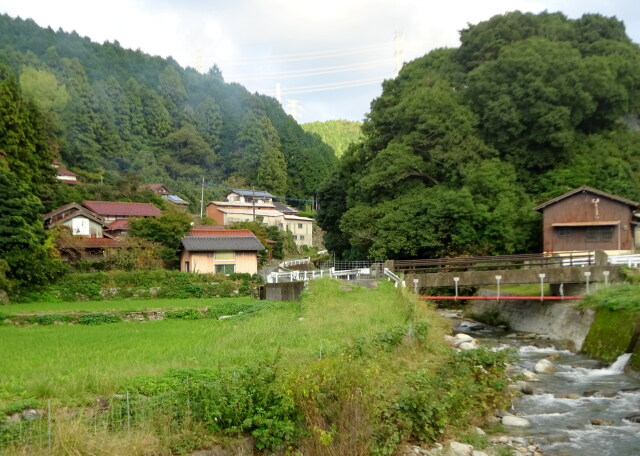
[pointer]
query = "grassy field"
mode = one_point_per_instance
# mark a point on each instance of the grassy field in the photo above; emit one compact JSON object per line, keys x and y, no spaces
{"x":346,"y":370}
{"x":119,"y":305}
{"x":75,"y":361}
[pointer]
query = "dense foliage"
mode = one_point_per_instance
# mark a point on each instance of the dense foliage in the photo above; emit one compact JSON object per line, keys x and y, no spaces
{"x":465,"y":142}
{"x":112,"y":111}
{"x":336,"y":133}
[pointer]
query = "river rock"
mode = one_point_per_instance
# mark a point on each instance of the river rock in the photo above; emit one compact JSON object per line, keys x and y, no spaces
{"x":530,"y":376}
{"x":558,"y":437}
{"x":599,"y":422}
{"x":462,"y":336}
{"x":473,"y":345}
{"x":634,"y":417}
{"x":520,"y":441}
{"x":544,"y":366}
{"x":515,"y":421}
{"x":554,"y":355}
{"x":568,"y":396}
{"x":479,"y":431}
{"x":528,"y":336}
{"x":458,"y":449}
{"x":478,"y":453}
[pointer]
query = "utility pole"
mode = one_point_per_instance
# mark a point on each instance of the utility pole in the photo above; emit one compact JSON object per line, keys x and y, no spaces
{"x":253,"y":201}
{"x":202,"y":198}
{"x":399,"y":51}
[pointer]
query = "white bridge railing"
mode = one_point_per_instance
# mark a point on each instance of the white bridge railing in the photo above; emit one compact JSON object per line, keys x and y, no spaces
{"x":298,"y":276}
{"x":296,"y":262}
{"x":633,"y":261}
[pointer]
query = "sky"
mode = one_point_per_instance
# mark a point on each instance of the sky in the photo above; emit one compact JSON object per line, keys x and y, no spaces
{"x":322,"y":60}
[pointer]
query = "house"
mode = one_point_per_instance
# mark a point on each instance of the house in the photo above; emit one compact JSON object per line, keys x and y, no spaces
{"x":589,"y":219}
{"x":112,"y":210}
{"x":80,"y":220}
{"x":220,"y":252}
{"x":162,"y":190}
{"x":250,"y":196}
{"x":64,"y":175}
{"x":258,"y":205}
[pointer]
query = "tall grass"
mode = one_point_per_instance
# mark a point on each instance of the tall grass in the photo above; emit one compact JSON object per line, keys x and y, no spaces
{"x":75,"y":361}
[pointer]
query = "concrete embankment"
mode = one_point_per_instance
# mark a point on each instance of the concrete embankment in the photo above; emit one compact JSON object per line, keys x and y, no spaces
{"x":602,"y":334}
{"x":559,"y":320}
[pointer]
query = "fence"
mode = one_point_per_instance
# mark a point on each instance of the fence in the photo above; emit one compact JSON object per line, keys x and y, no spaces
{"x":296,"y":276}
{"x":298,"y":261}
{"x":38,"y":430}
{"x":633,"y":261}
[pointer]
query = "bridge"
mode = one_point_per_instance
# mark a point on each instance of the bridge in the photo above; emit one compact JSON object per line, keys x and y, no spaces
{"x":574,"y":271}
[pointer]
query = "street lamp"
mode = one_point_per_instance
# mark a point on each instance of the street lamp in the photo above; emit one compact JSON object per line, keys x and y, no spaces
{"x":542,"y":276}
{"x":587,"y":274}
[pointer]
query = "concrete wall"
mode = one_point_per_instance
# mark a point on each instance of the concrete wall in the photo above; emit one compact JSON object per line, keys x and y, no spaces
{"x":288,"y":291}
{"x":559,"y":320}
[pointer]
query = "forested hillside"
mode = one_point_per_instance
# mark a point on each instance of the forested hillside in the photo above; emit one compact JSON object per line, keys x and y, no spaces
{"x":336,"y":133}
{"x":122,"y":117}
{"x":462,"y":145}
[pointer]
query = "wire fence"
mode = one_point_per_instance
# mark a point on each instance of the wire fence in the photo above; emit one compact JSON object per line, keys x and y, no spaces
{"x":36,"y":431}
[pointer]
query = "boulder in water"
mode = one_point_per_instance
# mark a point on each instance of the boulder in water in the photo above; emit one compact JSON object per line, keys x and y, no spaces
{"x":599,"y":422}
{"x":634,"y":417}
{"x":515,"y":421}
{"x":544,"y":366}
{"x":530,"y":376}
{"x":568,"y":396}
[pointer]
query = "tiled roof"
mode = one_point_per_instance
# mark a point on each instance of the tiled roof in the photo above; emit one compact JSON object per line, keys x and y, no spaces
{"x":297,"y":217}
{"x":158,"y":188}
{"x":284,"y":208}
{"x":213,"y":244}
{"x":256,"y":193}
{"x":585,"y":188}
{"x":219,"y":232}
{"x":120,"y":224}
{"x":60,"y":216}
{"x":112,"y":208}
{"x":241,"y":204}
{"x":65,"y":172}
{"x":249,"y":211}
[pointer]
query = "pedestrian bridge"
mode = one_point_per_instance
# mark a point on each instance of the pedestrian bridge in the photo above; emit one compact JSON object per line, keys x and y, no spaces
{"x":571,"y":268}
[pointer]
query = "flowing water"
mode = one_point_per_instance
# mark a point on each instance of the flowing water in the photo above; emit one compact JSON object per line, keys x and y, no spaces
{"x":579,"y":410}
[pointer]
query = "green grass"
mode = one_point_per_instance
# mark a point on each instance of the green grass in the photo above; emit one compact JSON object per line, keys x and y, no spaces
{"x":532,"y":289}
{"x":119,"y":305}
{"x":76,"y":361}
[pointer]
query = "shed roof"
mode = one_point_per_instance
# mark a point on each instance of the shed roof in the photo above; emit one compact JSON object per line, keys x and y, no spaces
{"x":219,"y":232}
{"x":113,"y":208}
{"x":585,"y":189}
{"x":219,"y":243}
{"x":175,"y":199}
{"x":256,"y":193}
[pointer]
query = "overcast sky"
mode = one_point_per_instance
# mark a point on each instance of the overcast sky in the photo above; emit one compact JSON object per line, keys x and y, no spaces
{"x":328,"y":58}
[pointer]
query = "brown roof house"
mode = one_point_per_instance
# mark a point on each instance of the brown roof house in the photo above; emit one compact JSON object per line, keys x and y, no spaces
{"x":113,"y":210}
{"x":220,"y":252}
{"x":589,"y":219}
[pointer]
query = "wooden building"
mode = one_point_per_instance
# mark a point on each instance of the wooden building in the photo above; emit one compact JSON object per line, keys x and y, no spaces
{"x":589,"y":219}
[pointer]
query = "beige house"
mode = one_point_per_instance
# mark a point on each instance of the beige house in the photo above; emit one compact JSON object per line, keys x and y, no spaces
{"x":80,"y":220}
{"x":220,"y":252}
{"x":249,"y":205}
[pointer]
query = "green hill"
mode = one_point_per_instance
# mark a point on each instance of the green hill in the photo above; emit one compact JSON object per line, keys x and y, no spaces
{"x":338,"y":134}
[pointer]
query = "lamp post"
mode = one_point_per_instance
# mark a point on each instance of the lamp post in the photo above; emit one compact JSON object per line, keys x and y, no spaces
{"x":498,"y":279}
{"x":455,"y":281}
{"x":542,"y":276}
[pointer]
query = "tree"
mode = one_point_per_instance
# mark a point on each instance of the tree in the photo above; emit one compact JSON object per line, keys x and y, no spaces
{"x":272,"y":173}
{"x":166,"y":230}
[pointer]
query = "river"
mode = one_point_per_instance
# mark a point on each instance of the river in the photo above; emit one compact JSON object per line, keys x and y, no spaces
{"x":578,"y":410}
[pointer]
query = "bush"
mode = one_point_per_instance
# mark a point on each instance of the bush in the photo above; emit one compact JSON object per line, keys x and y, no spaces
{"x":184,"y":314}
{"x":49,"y":319}
{"x":98,"y":319}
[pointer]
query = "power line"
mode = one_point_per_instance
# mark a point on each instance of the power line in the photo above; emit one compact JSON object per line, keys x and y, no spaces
{"x":312,"y":71}
{"x":327,"y":86}
{"x":281,"y":58}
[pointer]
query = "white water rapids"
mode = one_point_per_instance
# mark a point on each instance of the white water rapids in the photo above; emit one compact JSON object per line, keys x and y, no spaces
{"x":580,"y":410}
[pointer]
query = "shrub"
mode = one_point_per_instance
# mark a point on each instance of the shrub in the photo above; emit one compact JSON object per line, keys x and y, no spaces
{"x":98,"y":319}
{"x":184,"y":314}
{"x":49,"y":319}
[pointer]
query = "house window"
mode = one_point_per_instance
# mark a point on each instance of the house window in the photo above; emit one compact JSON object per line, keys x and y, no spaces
{"x":295,"y":237}
{"x":186,"y":266}
{"x":225,"y":256}
{"x":225,"y":269}
{"x":301,"y":237}
{"x":299,"y":226}
{"x":563,"y":231}
{"x":599,"y":233}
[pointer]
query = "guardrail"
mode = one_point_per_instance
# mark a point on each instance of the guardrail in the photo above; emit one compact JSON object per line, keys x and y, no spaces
{"x":488,"y":263}
{"x":633,"y":261}
{"x":298,"y":276}
{"x":298,"y":261}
